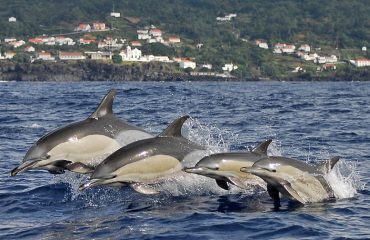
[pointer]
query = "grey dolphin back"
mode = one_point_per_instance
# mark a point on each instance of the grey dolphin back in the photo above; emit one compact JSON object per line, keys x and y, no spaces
{"x":262,"y":147}
{"x":174,"y":129}
{"x":106,"y":105}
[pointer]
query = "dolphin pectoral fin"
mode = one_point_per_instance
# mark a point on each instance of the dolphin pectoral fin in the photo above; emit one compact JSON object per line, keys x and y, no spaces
{"x":293,"y":193}
{"x":222,"y":184}
{"x":237,"y":182}
{"x":79,"y":168}
{"x":274,"y":194}
{"x":144,"y":189}
{"x":23,"y":167}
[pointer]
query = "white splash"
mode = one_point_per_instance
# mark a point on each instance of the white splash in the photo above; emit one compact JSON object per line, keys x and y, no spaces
{"x":35,"y":125}
{"x":344,"y":179}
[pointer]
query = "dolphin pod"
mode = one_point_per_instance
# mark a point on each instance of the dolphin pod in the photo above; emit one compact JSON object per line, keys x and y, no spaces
{"x":80,"y":146}
{"x":116,"y":153}
{"x":146,"y":161}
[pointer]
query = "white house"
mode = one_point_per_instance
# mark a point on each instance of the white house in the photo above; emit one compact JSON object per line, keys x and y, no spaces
{"x":9,"y":54}
{"x":330,"y":59}
{"x":8,"y":40}
{"x":364,"y":48}
{"x":71,"y":56}
{"x":187,"y":64}
{"x":362,"y":62}
{"x":305,"y":48}
{"x":115,"y":14}
{"x":174,"y":40}
{"x":100,"y":55}
{"x":17,"y":44}
{"x":309,"y":57}
{"x":261,"y":44}
{"x":131,"y":54}
{"x":2,"y":57}
{"x":46,"y":56}
{"x":83,"y":27}
{"x":155,"y":32}
{"x":284,"y":48}
{"x":29,"y":49}
{"x":206,"y":66}
{"x":12,"y":19}
{"x":229,"y":67}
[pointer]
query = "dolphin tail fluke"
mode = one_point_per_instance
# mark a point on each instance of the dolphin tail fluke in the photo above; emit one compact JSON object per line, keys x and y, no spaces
{"x":144,"y":189}
{"x":222,"y":184}
{"x":23,"y":167}
{"x":262,"y":147}
{"x":326,"y":166}
{"x":106,"y":105}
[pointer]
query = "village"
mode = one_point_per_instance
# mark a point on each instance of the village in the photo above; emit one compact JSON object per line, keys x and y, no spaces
{"x":129,"y":50}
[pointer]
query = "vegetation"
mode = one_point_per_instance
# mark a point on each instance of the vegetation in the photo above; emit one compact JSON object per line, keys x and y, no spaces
{"x":330,"y":25}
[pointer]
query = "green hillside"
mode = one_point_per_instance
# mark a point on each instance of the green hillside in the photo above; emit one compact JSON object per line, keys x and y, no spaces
{"x":330,"y":24}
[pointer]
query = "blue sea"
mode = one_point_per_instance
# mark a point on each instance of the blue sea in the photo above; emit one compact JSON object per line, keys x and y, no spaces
{"x":310,"y":121}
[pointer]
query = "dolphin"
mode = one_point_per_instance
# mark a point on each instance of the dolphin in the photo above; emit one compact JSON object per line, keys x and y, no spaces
{"x":294,"y":178}
{"x":145,"y":162}
{"x":225,"y":167}
{"x":80,"y":146}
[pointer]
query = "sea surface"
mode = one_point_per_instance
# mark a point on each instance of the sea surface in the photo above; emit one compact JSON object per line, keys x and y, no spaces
{"x":310,"y":121}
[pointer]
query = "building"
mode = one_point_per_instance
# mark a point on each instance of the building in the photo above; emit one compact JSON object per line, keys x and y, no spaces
{"x":284,"y":48}
{"x":83,"y":27}
{"x":9,"y":40}
{"x":9,"y":54}
{"x":184,"y":64}
{"x":174,"y":40}
{"x":364,"y":49}
{"x":83,"y":41}
{"x":305,"y":48}
{"x":329,"y":66}
{"x":329,"y":59}
{"x":229,"y":67}
{"x":206,"y":66}
{"x":131,"y":54}
{"x":155,"y":32}
{"x":12,"y":19}
{"x":99,"y":26}
{"x":46,"y":56}
{"x":29,"y":49}
{"x":71,"y":56}
{"x":136,"y":44}
{"x":110,"y":43}
{"x":362,"y":62}
{"x":17,"y":44}
{"x":115,"y":14}
{"x":36,"y":40}
{"x":262,"y":44}
{"x":61,"y":40}
{"x":100,"y":55}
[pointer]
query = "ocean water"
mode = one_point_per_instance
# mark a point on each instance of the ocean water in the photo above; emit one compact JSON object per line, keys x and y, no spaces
{"x":310,"y":121}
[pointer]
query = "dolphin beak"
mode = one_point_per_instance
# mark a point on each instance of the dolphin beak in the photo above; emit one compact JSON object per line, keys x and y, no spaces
{"x":23,"y":167}
{"x":91,"y":183}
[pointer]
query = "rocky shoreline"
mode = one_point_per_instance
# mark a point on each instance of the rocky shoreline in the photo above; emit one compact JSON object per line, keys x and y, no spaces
{"x":100,"y":71}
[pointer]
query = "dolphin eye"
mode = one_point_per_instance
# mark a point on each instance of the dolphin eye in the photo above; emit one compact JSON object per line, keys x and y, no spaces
{"x":273,"y":170}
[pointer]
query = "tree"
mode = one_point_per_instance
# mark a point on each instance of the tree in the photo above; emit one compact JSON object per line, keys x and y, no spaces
{"x":117,"y":59}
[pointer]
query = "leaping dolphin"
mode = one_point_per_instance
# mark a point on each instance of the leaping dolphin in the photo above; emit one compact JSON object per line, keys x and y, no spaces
{"x":80,"y":146}
{"x":293,"y":178}
{"x":146,"y":161}
{"x":225,"y":167}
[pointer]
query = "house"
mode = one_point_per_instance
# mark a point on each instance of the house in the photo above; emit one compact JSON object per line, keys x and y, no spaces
{"x":71,"y":56}
{"x":9,"y":54}
{"x":362,"y":62}
{"x":284,"y":48}
{"x":110,"y":43}
{"x":36,"y":40}
{"x":136,"y":44}
{"x":83,"y":41}
{"x":206,"y":66}
{"x":83,"y":27}
{"x":364,"y":49}
{"x":185,"y":63}
{"x":115,"y":14}
{"x":29,"y":49}
{"x":329,"y":59}
{"x":174,"y":40}
{"x":227,"y":17}
{"x":2,"y":57}
{"x":99,"y":26}
{"x":329,"y":66}
{"x":131,"y":54}
{"x":155,"y":32}
{"x":46,"y":56}
{"x":143,"y":36}
{"x":305,"y":48}
{"x":261,"y":44}
{"x":61,"y":40}
{"x":17,"y":44}
{"x":8,"y":40}
{"x":12,"y":19}
{"x":229,"y":67}
{"x":100,"y":55}
{"x":199,"y":45}
{"x":309,"y":57}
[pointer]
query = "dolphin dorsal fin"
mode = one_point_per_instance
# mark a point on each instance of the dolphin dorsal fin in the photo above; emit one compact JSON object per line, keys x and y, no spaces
{"x":326,"y":166}
{"x":262,"y":147}
{"x":174,"y":129}
{"x":106,"y":105}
